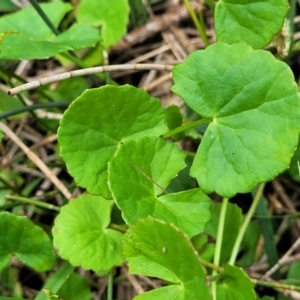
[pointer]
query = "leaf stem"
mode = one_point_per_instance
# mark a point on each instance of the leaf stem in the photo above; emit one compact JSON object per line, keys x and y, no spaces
{"x":17,"y":111}
{"x":245,"y":224}
{"x":199,"y":26}
{"x":219,"y":241}
{"x":185,"y":127}
{"x":271,"y":284}
{"x":110,"y":285}
{"x":33,"y":202}
{"x":121,"y":228}
{"x":45,"y":18}
{"x":275,"y":285}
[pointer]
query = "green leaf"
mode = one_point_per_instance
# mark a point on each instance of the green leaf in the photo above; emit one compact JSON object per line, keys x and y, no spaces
{"x":97,"y":123}
{"x":81,"y":235}
{"x":9,"y":103}
{"x":174,"y":120}
{"x":3,"y":34}
{"x":248,"y":21}
{"x":7,"y":5}
{"x":293,"y":278}
{"x":75,"y":288}
{"x":76,"y":37}
{"x":28,"y":242}
{"x":235,"y":285}
{"x":140,"y":171}
{"x":254,"y":108}
{"x":28,"y":21}
{"x":31,"y":29}
{"x":183,"y":181}
{"x":249,"y":245}
{"x":233,"y":221}
{"x":294,"y":272}
{"x":155,"y":248}
{"x":68,"y":89}
{"x":56,"y":281}
{"x":111,"y":15}
{"x":265,"y":229}
{"x":205,"y":249}
{"x":294,"y":169}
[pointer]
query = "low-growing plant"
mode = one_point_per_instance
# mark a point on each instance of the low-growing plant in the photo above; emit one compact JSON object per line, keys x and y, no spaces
{"x":121,"y":146}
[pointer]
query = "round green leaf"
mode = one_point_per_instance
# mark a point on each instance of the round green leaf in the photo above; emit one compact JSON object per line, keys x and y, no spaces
{"x":97,"y":123}
{"x":112,"y":16}
{"x":81,"y":235}
{"x":28,"y":242}
{"x":253,"y":104}
{"x":155,"y":248}
{"x":140,"y":172}
{"x":250,"y":22}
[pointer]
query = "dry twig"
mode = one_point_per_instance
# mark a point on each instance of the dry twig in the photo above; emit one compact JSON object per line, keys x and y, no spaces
{"x":87,"y":71}
{"x":35,"y":159}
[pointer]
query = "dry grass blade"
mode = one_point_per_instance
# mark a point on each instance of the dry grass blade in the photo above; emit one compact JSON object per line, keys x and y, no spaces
{"x":36,"y":160}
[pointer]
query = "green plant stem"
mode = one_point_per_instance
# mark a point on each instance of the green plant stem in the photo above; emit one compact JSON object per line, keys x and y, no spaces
{"x":275,"y":285}
{"x":271,"y":284}
{"x":42,"y":122}
{"x":185,"y":127}
{"x":199,"y":26}
{"x":189,"y":153}
{"x":121,"y":228}
{"x":210,"y":265}
{"x":110,"y":283}
{"x":33,"y":202}
{"x":74,"y":59}
{"x":17,"y":111}
{"x":45,"y":18}
{"x":219,"y":241}
{"x":245,"y":224}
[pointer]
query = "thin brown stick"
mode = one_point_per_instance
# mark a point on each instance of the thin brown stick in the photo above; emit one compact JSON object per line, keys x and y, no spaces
{"x":282,"y":260}
{"x":47,"y":140}
{"x":36,"y":160}
{"x":135,"y":283}
{"x":87,"y":71}
{"x":158,"y":24}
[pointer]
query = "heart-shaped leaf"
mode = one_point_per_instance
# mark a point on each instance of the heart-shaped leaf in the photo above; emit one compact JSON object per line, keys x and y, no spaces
{"x":250,"y":22}
{"x":140,"y":171}
{"x":155,"y":248}
{"x":28,"y":242}
{"x":81,"y":235}
{"x":235,"y":285}
{"x":112,"y":16}
{"x":254,"y":108}
{"x":97,"y":123}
